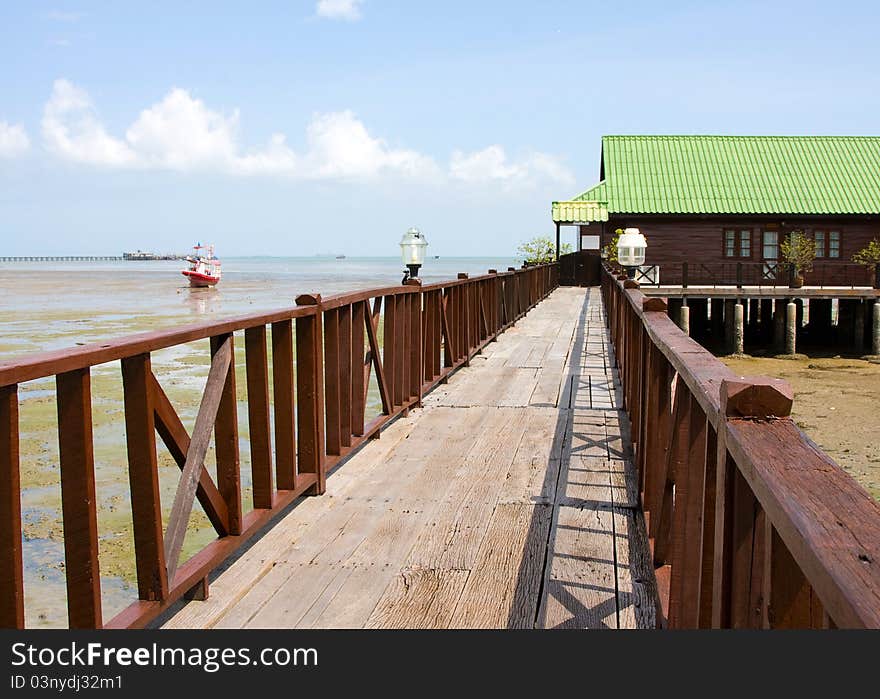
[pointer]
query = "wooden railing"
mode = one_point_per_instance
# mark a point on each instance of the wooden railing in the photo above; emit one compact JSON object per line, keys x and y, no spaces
{"x":769,"y":273}
{"x":322,"y":355}
{"x":750,"y":523}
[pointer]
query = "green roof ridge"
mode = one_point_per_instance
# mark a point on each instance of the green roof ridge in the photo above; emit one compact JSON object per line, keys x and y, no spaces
{"x":736,"y":174}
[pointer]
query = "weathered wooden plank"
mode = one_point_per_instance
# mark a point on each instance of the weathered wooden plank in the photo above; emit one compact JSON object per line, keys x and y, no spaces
{"x":502,"y":590}
{"x":580,"y":589}
{"x":636,"y":587}
{"x":419,"y":598}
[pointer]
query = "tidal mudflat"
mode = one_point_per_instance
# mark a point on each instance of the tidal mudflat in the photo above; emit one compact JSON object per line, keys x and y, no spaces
{"x":836,"y":404}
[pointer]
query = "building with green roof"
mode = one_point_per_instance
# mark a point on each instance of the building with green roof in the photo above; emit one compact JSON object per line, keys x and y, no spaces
{"x":715,"y":200}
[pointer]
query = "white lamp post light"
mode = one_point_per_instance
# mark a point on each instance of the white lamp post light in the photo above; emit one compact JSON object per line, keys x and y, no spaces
{"x":631,"y":248}
{"x":412,"y":252}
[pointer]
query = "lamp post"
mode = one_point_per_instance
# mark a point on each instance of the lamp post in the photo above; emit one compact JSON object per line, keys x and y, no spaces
{"x":631,"y":248}
{"x":412,"y":252}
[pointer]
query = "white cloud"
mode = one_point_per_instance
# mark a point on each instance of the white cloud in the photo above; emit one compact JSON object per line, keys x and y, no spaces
{"x":181,"y":133}
{"x":13,"y":140}
{"x":492,"y":164}
{"x":71,"y":129}
{"x":348,"y":10}
{"x":340,"y":146}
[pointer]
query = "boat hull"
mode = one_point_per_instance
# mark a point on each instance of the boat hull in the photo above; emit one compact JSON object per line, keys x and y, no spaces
{"x":199,"y":280}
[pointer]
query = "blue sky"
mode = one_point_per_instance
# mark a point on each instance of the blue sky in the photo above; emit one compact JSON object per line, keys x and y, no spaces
{"x":334,"y":125}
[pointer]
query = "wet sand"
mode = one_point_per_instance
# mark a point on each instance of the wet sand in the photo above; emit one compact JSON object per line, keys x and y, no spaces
{"x":837,"y":403}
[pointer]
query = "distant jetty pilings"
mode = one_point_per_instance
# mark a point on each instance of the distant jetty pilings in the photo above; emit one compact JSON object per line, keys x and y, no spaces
{"x":60,"y":258}
{"x":127,"y":256}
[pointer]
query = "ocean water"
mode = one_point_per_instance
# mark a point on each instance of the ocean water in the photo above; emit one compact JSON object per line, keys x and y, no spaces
{"x":57,"y":304}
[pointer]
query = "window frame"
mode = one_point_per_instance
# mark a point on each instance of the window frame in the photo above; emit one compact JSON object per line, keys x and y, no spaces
{"x":740,"y":236}
{"x":829,"y":235}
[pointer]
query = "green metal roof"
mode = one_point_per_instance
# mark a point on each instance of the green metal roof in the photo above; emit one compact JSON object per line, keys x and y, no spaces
{"x":594,"y":193}
{"x":586,"y":207}
{"x":579,"y":211}
{"x":739,"y":175}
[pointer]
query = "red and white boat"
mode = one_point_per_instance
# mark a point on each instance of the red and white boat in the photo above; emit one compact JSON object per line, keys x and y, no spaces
{"x":204,"y":269}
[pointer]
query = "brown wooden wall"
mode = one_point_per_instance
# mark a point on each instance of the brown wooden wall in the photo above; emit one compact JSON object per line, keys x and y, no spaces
{"x":675,"y":239}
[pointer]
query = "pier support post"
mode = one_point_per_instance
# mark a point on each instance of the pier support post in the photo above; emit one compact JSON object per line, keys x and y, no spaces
{"x":859,"y":334}
{"x":738,"y":329}
{"x":875,"y":330}
{"x":673,"y":308}
{"x":779,"y":326}
{"x":791,"y":328}
{"x":684,"y":319}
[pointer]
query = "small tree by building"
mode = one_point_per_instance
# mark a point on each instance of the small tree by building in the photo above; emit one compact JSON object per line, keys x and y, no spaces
{"x":609,"y":252}
{"x":869,"y":256}
{"x":540,"y":250}
{"x":799,"y":251}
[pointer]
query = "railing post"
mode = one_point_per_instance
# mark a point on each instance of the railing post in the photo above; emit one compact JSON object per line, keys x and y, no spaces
{"x":259,"y":425}
{"x":78,"y":502}
{"x":749,"y":398}
{"x":11,"y":576}
{"x":285,"y":424}
{"x":310,"y":392}
{"x":464,"y":322}
{"x":143,"y":476}
{"x":226,"y":440}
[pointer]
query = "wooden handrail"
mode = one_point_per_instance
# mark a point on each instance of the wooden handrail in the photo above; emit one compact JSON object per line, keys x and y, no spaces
{"x":750,"y":523}
{"x":323,"y":353}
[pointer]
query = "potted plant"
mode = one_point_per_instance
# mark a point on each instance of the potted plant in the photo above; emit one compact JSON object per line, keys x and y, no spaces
{"x":798,"y":251}
{"x":869,"y":256}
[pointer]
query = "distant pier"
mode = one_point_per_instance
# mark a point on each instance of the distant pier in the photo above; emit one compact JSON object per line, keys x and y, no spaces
{"x":62,"y":258}
{"x":127,"y":256}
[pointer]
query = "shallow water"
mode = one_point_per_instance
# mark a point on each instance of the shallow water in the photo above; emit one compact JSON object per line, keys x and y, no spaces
{"x":56,"y":304}
{"x":46,"y":306}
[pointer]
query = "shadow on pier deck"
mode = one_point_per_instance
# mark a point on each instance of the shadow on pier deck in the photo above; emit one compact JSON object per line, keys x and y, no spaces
{"x":508,"y":500}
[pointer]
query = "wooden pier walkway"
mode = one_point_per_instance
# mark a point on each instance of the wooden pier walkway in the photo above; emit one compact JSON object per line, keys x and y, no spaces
{"x":507,"y":501}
